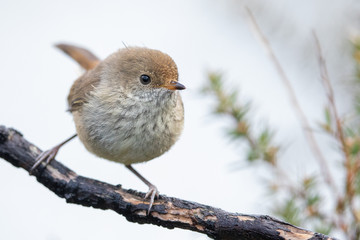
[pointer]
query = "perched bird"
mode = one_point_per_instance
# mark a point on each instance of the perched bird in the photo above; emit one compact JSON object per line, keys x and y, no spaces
{"x":126,"y":108}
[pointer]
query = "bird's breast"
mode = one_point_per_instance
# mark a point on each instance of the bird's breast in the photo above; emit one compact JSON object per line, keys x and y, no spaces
{"x":130,"y":131}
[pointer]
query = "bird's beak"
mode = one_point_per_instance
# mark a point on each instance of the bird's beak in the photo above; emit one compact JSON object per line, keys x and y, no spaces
{"x":174,"y":85}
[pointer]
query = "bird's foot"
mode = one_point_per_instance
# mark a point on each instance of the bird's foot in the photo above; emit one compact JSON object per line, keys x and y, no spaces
{"x":151,"y":195}
{"x":46,"y":156}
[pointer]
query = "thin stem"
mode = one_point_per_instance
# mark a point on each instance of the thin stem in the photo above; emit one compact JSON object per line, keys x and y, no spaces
{"x":303,"y":120}
{"x":349,"y":186}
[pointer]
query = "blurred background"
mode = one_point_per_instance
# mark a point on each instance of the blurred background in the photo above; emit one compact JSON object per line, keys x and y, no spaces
{"x":205,"y":165}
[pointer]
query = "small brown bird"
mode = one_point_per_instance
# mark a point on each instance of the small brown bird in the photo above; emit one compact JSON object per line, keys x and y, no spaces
{"x":126,"y":108}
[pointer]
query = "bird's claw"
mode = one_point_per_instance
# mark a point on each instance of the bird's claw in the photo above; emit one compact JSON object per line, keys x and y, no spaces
{"x":151,"y":195}
{"x":46,"y":156}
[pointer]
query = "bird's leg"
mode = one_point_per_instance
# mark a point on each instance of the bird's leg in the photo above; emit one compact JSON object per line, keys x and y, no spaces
{"x":49,"y":155}
{"x":152,"y":193}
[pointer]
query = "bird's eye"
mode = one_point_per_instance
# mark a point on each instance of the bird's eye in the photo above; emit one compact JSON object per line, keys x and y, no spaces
{"x":145,"y":79}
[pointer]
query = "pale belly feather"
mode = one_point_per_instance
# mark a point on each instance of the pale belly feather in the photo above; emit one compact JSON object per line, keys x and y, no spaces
{"x":131,"y":134}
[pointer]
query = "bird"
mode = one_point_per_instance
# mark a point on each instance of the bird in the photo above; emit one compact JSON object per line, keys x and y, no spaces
{"x":126,"y":108}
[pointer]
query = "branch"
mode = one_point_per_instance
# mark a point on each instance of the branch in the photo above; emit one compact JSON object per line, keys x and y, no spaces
{"x":350,"y":190}
{"x":166,"y":212}
{"x":314,"y":146}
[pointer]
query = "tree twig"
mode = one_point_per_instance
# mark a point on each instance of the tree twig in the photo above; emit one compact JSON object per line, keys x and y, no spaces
{"x":167,"y":212}
{"x":330,"y":95}
{"x":301,"y":115}
{"x":350,"y":170}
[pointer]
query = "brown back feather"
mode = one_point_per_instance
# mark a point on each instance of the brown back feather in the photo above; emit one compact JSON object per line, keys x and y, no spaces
{"x":84,"y":84}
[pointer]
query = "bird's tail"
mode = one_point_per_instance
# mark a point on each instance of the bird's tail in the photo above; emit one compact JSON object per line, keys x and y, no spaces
{"x":84,"y":57}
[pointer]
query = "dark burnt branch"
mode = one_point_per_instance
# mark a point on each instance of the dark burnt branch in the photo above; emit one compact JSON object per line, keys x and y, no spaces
{"x":166,"y":212}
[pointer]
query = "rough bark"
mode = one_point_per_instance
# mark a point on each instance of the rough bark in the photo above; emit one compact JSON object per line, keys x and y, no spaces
{"x":167,"y":212}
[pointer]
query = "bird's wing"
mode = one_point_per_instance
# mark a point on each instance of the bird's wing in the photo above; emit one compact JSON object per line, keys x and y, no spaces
{"x":82,"y":87}
{"x":86,"y":83}
{"x":84,"y":57}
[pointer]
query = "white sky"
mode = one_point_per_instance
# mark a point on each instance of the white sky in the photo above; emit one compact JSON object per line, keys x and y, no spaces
{"x":200,"y":36}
